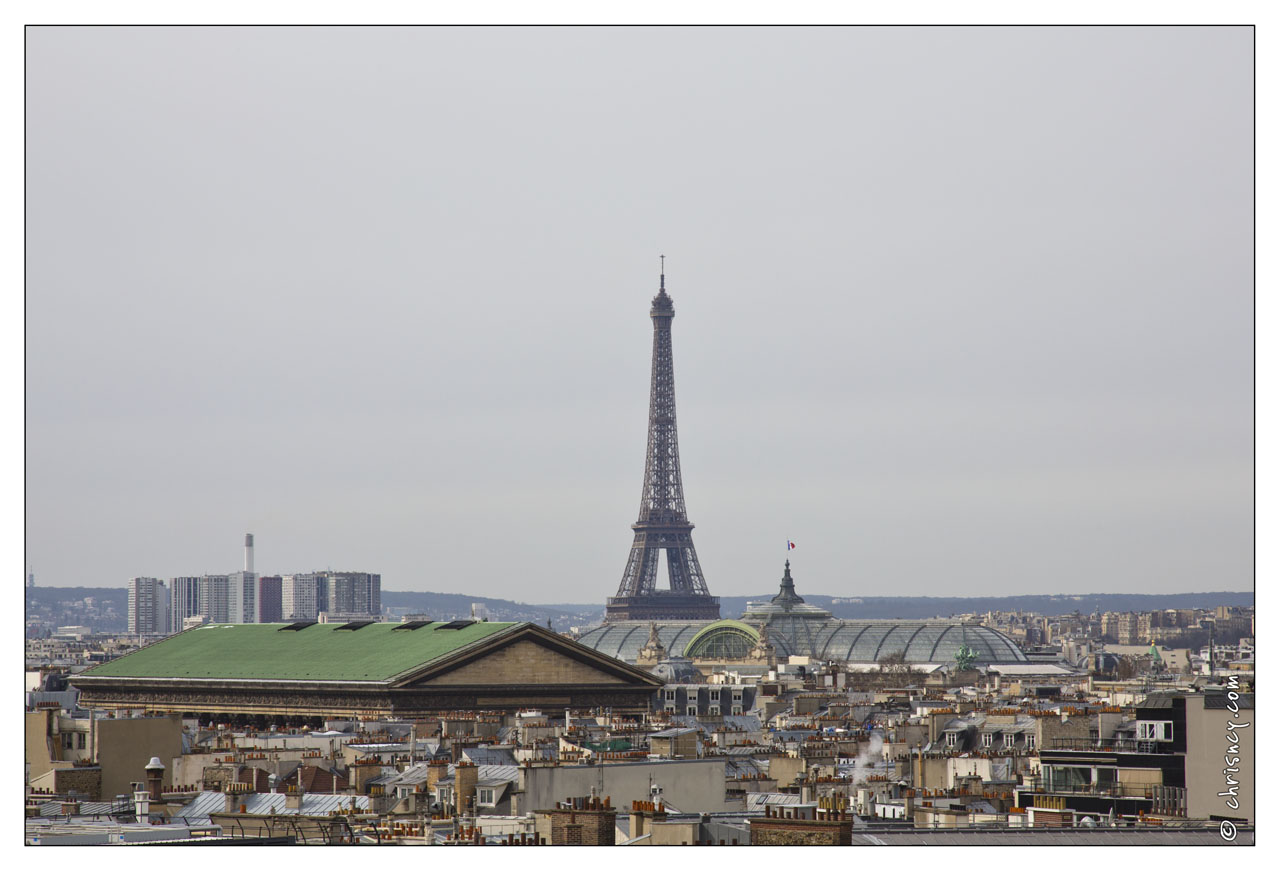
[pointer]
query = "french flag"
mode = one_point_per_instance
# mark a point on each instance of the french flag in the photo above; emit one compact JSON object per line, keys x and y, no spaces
{"x":791,"y":545}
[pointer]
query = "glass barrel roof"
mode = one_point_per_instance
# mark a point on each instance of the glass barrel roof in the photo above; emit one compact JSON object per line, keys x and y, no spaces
{"x":921,"y":641}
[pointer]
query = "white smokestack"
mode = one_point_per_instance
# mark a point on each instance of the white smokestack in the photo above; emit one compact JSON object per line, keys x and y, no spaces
{"x":248,"y":552}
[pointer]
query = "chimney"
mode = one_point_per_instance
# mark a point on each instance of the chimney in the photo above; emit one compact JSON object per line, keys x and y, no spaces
{"x":141,"y":802}
{"x":248,"y":552}
{"x":465,"y":775}
{"x":231,"y":795}
{"x":436,"y":769}
{"x":155,"y":778}
{"x":293,"y":796}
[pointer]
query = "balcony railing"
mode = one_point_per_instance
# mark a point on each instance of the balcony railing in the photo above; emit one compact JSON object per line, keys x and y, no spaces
{"x":1114,"y":745}
{"x":1170,"y":800}
{"x":1112,"y":790}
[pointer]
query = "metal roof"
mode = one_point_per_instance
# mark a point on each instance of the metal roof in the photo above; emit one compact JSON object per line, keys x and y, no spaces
{"x":756,"y":801}
{"x":313,"y":804}
{"x":673,"y":733}
{"x":1168,"y":837}
{"x":249,"y":651}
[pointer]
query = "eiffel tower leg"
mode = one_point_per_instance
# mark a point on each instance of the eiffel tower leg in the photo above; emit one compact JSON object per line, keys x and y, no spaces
{"x":640,"y":575}
{"x":676,"y":575}
{"x":649,"y":571}
{"x":685,"y":571}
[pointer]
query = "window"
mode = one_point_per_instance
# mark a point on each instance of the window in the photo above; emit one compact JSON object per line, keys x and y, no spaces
{"x":671,"y":695}
{"x":1030,"y":742}
{"x":670,"y":708}
{"x":1009,"y":739}
{"x":485,"y":796}
{"x":951,"y":739}
{"x":79,"y":740}
{"x":692,"y":710}
{"x":737,"y":709}
{"x":714,"y":710}
{"x":1155,"y":730}
{"x":987,"y":738}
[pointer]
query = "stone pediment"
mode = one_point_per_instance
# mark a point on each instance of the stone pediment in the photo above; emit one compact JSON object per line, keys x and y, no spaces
{"x":522,"y":661}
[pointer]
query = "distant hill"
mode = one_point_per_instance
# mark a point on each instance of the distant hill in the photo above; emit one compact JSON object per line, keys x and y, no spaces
{"x":454,"y":605}
{"x":924,"y":607}
{"x":118,"y":597}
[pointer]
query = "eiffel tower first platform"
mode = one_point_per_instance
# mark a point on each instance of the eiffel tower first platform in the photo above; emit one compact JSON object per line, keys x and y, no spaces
{"x":662,"y":525}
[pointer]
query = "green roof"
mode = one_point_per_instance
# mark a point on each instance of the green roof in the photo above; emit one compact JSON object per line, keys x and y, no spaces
{"x":719,"y":626}
{"x":267,"y":651}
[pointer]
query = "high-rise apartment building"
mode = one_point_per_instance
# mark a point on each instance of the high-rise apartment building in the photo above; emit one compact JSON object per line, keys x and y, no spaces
{"x":148,"y":607}
{"x":214,"y":596}
{"x":242,"y":598}
{"x":298,"y":597}
{"x":269,"y":596}
{"x":354,"y":593}
{"x":184,"y":601}
{"x":305,"y":596}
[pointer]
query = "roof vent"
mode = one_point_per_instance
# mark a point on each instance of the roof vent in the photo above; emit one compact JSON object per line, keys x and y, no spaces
{"x":355,"y":624}
{"x":456,"y":624}
{"x":412,"y":624}
{"x":297,"y":627}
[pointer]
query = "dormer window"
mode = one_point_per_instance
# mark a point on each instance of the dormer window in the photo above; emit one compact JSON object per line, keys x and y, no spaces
{"x":951,"y":739}
{"x":987,"y":738}
{"x":1009,"y":739}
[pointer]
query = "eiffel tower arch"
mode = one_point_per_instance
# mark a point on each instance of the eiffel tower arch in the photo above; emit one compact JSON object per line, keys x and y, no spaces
{"x":662,"y":525}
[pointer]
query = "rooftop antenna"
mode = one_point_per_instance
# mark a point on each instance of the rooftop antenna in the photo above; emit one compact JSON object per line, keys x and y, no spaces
{"x":662,"y":272}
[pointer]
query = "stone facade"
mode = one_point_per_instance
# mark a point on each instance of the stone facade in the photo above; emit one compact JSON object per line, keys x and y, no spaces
{"x":84,"y":779}
{"x":802,"y":827}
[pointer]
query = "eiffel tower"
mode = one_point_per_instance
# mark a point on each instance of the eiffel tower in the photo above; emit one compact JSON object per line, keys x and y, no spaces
{"x":663,"y":525}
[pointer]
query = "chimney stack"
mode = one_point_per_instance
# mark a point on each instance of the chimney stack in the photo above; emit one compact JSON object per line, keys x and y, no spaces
{"x":141,"y":802}
{"x":155,"y":778}
{"x":248,"y":552}
{"x":293,"y":797}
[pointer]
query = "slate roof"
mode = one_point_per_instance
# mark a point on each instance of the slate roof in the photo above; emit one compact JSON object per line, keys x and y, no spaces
{"x":262,"y":651}
{"x":489,"y":755}
{"x":494,"y":772}
{"x":1218,"y":701}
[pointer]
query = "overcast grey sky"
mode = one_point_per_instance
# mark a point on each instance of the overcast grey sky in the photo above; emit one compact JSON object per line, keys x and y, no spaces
{"x":960,"y":311}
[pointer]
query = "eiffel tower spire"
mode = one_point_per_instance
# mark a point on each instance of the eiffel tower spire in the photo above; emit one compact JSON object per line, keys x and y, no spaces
{"x":662,"y":525}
